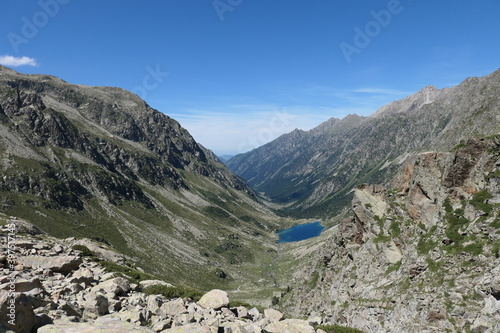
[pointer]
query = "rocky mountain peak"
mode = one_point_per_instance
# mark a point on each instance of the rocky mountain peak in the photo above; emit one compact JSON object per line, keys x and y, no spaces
{"x":411,"y":103}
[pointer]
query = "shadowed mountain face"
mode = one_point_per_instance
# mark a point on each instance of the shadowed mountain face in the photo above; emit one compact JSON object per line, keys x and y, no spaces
{"x":313,"y":173}
{"x":99,"y":162}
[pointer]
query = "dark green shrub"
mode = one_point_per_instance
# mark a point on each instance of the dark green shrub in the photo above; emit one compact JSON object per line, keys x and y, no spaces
{"x":173,"y":292}
{"x":338,"y":329}
{"x":131,"y":274}
{"x":235,"y":304}
{"x":84,"y":250}
{"x":478,"y":201}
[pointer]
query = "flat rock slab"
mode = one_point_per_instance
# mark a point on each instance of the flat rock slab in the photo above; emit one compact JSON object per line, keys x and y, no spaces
{"x":290,"y":326}
{"x":148,"y":283}
{"x":30,"y":287}
{"x":193,"y":328}
{"x":114,"y":326}
{"x":59,"y":264}
{"x":214,"y":299}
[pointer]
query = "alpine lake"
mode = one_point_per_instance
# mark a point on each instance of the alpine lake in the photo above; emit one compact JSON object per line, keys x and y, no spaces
{"x":300,"y":232}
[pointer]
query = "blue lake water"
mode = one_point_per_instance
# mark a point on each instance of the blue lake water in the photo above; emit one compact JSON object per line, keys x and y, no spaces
{"x":300,"y":232}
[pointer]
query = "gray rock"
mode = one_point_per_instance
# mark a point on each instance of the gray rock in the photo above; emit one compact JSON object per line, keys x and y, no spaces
{"x":31,"y":287}
{"x":59,"y":264}
{"x":290,"y":326}
{"x":147,"y":283}
{"x":117,"y":286}
{"x":97,"y":305}
{"x":173,"y":308}
{"x":58,"y":249}
{"x":273,"y":315}
{"x":214,"y":299}
{"x":114,"y":326}
{"x":41,"y":320}
{"x":16,"y":312}
{"x":495,"y":288}
{"x":71,"y":309}
{"x":162,"y":325}
{"x":5,"y":329}
{"x":254,"y":312}
{"x":154,"y":302}
{"x":192,"y":328}
{"x":84,"y":275}
{"x":242,"y":312}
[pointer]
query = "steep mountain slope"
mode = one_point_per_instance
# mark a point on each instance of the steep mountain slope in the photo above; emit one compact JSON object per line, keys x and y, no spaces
{"x":313,"y":172}
{"x":99,"y":162}
{"x":420,"y":255}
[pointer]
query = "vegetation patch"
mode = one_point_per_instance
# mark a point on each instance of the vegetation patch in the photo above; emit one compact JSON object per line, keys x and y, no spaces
{"x":393,"y":267}
{"x":128,"y":273}
{"x":337,"y":329}
{"x":479,"y":201}
{"x":173,"y":292}
{"x":434,"y":266}
{"x":314,"y":280}
{"x":84,"y":250}
{"x":394,"y":229}
{"x":425,"y":243}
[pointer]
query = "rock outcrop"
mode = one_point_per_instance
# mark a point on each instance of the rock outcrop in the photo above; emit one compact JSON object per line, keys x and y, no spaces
{"x":421,"y":254}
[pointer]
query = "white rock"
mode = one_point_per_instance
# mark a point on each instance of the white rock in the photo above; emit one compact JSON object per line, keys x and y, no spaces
{"x":273,"y":315}
{"x":214,"y":299}
{"x":290,"y":326}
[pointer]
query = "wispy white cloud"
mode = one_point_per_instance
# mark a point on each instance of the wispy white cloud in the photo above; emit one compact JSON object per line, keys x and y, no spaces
{"x":240,"y":128}
{"x":233,"y":127}
{"x":382,"y":91}
{"x":8,"y":60}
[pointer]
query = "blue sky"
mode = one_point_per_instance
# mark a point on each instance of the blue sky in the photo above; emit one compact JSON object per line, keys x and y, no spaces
{"x":238,"y":73}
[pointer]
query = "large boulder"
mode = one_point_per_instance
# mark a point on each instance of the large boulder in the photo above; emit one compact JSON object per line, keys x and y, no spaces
{"x":289,"y":326}
{"x":84,"y":275}
{"x":214,"y":299}
{"x":148,"y":283}
{"x":273,"y":315}
{"x":117,"y":286}
{"x":16,"y":312}
{"x":97,"y":305}
{"x":495,"y":288}
{"x":173,"y":308}
{"x":100,"y":250}
{"x":58,"y":264}
{"x":31,"y":287}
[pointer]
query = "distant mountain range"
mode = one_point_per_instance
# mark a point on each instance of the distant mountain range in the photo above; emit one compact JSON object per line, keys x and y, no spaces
{"x":98,"y":162}
{"x":312,"y":173}
{"x":225,"y":158}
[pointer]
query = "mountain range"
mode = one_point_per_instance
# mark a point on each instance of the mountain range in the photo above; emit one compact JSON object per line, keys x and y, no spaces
{"x":98,"y":162}
{"x":410,"y":197}
{"x":312,"y":173}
